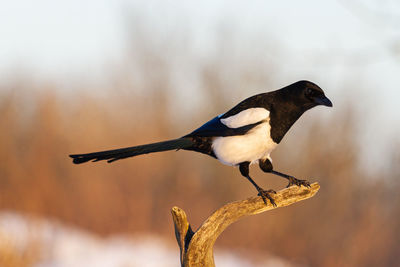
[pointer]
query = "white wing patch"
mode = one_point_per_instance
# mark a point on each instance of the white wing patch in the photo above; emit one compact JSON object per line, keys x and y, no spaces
{"x":246,"y":117}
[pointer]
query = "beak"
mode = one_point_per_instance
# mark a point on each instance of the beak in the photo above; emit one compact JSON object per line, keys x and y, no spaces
{"x":323,"y":100}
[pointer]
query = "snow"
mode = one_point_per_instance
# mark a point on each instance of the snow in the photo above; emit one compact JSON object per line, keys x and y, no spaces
{"x":65,"y":246}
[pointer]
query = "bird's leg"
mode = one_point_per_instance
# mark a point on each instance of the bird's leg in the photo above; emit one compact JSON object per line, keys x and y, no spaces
{"x":266,"y":166}
{"x":264,"y":194}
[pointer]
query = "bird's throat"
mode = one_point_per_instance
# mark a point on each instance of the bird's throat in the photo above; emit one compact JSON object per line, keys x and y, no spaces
{"x":282,"y":119}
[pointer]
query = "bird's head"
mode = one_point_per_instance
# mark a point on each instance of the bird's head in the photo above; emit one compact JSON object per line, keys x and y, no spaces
{"x":309,"y":95}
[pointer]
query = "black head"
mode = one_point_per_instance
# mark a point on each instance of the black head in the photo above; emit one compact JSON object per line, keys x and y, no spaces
{"x":308,"y":94}
{"x":290,"y":102}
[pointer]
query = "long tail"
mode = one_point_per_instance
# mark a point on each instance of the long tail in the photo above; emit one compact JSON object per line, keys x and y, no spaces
{"x":122,"y":153}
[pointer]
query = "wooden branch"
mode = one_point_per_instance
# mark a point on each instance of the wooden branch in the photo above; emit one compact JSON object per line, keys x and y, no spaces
{"x":196,"y":249}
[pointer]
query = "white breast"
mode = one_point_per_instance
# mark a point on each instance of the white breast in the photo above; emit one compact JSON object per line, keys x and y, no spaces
{"x":254,"y":145}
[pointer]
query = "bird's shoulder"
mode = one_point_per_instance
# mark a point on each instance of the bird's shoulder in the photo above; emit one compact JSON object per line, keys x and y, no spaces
{"x":239,"y":120}
{"x":263,"y":100}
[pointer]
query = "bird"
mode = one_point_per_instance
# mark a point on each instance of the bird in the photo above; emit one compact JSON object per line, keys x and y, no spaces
{"x":244,"y":135}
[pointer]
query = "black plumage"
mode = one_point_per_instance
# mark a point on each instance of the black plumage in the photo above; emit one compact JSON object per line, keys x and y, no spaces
{"x":122,"y":153}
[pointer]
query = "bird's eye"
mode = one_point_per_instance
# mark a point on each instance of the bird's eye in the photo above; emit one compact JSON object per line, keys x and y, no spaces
{"x":309,"y":91}
{"x":312,"y":93}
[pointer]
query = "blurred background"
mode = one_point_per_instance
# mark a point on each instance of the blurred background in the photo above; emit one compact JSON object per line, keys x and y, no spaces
{"x":83,"y":76}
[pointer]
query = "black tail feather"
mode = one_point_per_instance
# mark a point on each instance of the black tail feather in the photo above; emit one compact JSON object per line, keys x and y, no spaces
{"x":122,"y":153}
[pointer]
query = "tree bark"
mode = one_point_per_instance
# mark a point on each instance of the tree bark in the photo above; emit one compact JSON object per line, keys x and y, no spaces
{"x":196,"y":248}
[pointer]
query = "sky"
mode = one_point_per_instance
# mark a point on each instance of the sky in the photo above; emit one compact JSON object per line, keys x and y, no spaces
{"x":67,"y":39}
{"x":58,"y":37}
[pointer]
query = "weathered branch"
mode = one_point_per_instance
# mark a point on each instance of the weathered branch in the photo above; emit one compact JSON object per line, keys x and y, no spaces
{"x":197,"y":248}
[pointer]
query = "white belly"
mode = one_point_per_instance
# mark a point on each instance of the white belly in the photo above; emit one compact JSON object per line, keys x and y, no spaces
{"x":254,"y":145}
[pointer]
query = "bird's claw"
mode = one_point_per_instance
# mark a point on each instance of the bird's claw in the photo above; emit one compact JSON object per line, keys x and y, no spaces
{"x":298,"y":182}
{"x":264,"y":194}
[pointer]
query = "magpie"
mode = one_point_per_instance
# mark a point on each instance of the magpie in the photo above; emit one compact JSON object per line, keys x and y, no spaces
{"x":244,"y":135}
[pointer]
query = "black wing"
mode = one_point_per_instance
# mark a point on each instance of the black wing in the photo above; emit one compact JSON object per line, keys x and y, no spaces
{"x":215,"y":127}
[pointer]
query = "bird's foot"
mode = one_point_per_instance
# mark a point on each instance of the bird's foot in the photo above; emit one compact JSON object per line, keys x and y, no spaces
{"x":264,"y":194}
{"x":298,"y":182}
